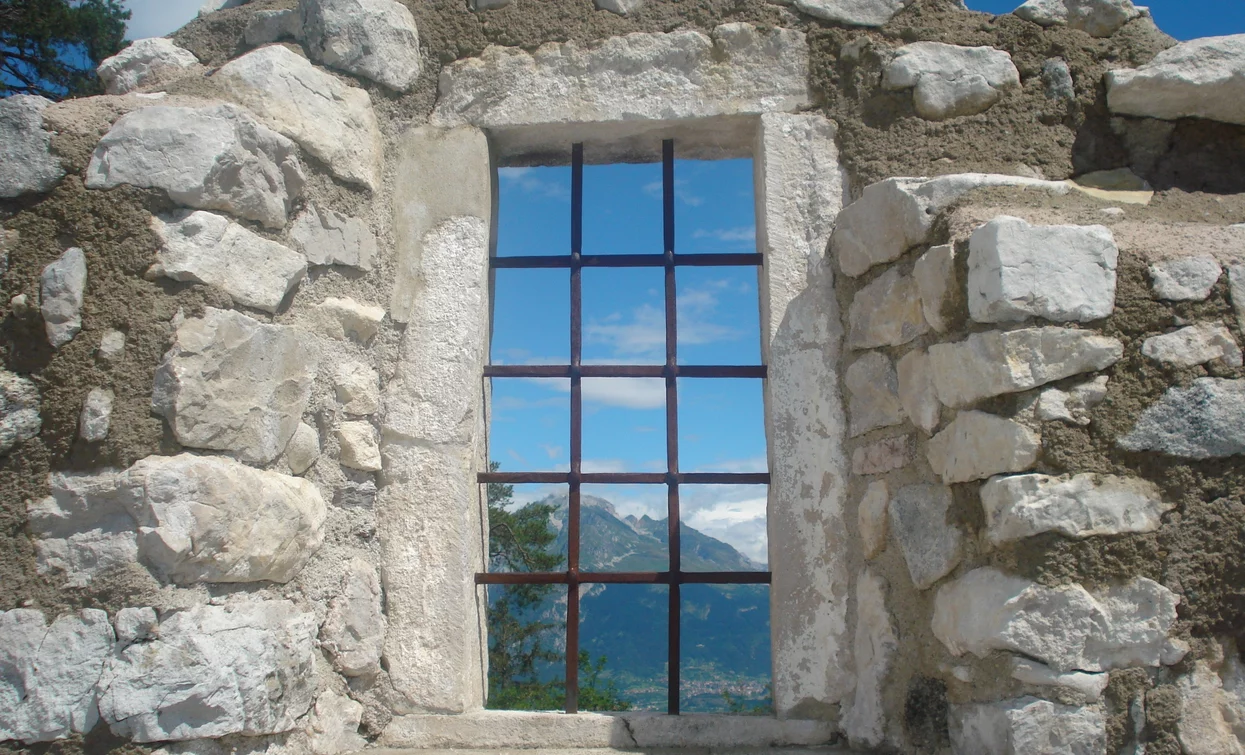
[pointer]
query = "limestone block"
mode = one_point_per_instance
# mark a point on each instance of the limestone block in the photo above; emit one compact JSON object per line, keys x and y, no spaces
{"x":1072,"y":406}
{"x":873,"y":391}
{"x":329,"y":119}
{"x":894,"y":215}
{"x":1185,"y":278}
{"x":203,"y":247}
{"x":874,"y":646}
{"x":882,"y":456}
{"x":886,"y":312}
{"x":358,"y":446}
{"x":215,"y":157}
{"x":621,"y":7}
{"x":83,"y":527}
{"x":1035,"y":674}
{"x":949,"y":80}
{"x":1196,"y":344}
{"x":145,"y":62}
{"x":871,"y":518}
{"x":47,"y":687}
{"x":1210,"y":708}
{"x":1098,"y":18}
{"x":448,"y":175}
{"x":1059,"y":272}
{"x":977,"y":445}
{"x":1201,"y":78}
{"x":19,"y":410}
{"x":61,"y":289}
{"x":136,"y":624}
{"x":26,"y":164}
{"x":358,"y":388}
{"x":1066,"y":627}
{"x":246,"y":668}
{"x":932,"y":546}
{"x":330,"y":238}
{"x":1026,"y":725}
{"x":917,"y":392}
{"x":1078,"y":506}
{"x":853,"y":12}
{"x":936,"y":281}
{"x":111,"y":346}
{"x":1058,"y":79}
{"x":96,"y":415}
{"x":1236,"y":289}
{"x":231,"y":383}
{"x":354,"y":633}
{"x":375,"y":39}
{"x":267,"y":26}
{"x":994,"y":363}
{"x":738,"y":69}
{"x":303,"y":449}
{"x":335,"y":725}
{"x":343,"y":319}
{"x":211,"y":519}
{"x":1204,"y":421}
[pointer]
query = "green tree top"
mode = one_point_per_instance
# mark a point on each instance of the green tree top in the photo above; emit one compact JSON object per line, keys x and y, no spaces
{"x":52,"y":47}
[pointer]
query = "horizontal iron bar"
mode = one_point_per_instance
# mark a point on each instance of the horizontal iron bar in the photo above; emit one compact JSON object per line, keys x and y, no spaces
{"x":629,"y":478}
{"x":628,"y":260}
{"x":624,"y":370}
{"x":626,"y":578}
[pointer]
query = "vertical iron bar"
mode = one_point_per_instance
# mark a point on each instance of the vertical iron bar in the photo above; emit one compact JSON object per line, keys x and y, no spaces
{"x":672,"y":433}
{"x":572,"y":545}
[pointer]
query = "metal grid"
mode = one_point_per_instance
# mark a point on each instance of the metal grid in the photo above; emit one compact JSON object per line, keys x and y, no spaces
{"x":671,"y":371}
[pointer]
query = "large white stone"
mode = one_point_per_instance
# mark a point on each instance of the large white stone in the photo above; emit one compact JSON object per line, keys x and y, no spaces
{"x":1072,"y":406}
{"x":375,"y":39}
{"x":1193,"y":345}
{"x":1185,"y":278}
{"x":882,"y":456}
{"x":874,"y":647}
{"x":871,"y":518}
{"x":357,"y":441}
{"x":977,"y":445}
{"x":1212,"y":711}
{"x":26,"y":164}
{"x":621,"y":7}
{"x":267,"y":26}
{"x":330,"y":238}
{"x":894,"y":215}
{"x":949,"y":80}
{"x":48,"y":673}
{"x":936,"y":280}
{"x":994,"y":363}
{"x":1067,"y":627}
{"x":215,"y":157}
{"x":145,"y":61}
{"x":303,"y":449}
{"x":354,"y":633}
{"x":1204,"y":421}
{"x":738,"y":69}
{"x":231,"y":383}
{"x":886,"y":312}
{"x":932,"y":546}
{"x":83,"y":527}
{"x":873,"y":391}
{"x":329,"y":119}
{"x":1201,"y":78}
{"x":343,"y":319}
{"x":96,"y":415}
{"x":1035,"y":674}
{"x":1236,"y":289}
{"x":1098,"y":18}
{"x":917,"y":391}
{"x":1026,"y":726}
{"x":246,"y":669}
{"x":1077,"y":506}
{"x":203,"y":247}
{"x":853,"y":12}
{"x":211,"y":519}
{"x":19,"y":410}
{"x":335,"y":725}
{"x":1058,"y":272}
{"x":357,"y":387}
{"x":62,"y":287}
{"x":136,"y":624}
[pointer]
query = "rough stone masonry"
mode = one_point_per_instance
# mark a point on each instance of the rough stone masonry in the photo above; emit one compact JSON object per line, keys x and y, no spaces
{"x":246,"y":317}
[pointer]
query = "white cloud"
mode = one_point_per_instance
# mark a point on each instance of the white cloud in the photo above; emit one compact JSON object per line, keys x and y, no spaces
{"x":740,"y":233}
{"x":644,"y":334}
{"x":681,"y":192}
{"x":629,"y":393}
{"x":739,"y":523}
{"x":157,"y":18}
{"x":528,"y":181}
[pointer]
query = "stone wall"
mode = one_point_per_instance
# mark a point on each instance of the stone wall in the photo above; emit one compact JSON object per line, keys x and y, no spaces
{"x":241,"y":405}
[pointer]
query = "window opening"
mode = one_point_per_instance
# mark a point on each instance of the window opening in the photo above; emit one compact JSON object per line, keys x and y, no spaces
{"x":578,"y":577}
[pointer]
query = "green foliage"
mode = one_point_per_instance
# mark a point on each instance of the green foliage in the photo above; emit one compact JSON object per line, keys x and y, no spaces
{"x":52,"y":47}
{"x":521,"y":641}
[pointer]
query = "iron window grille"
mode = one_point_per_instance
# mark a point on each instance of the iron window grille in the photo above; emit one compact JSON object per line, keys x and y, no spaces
{"x":671,"y":371}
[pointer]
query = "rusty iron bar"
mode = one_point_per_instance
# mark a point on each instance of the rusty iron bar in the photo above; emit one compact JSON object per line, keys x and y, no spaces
{"x":628,"y":260}
{"x":625,"y":370}
{"x":627,"y":478}
{"x":577,"y":421}
{"x":673,"y":617}
{"x":625,"y":578}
